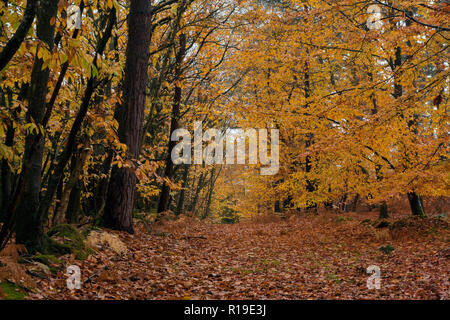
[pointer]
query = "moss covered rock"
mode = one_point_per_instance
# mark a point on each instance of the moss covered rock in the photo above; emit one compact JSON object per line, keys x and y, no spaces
{"x":66,"y":239}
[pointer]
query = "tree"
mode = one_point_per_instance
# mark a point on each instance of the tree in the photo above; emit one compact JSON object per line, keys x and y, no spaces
{"x":29,"y":224}
{"x":164,"y":198}
{"x":122,"y":185}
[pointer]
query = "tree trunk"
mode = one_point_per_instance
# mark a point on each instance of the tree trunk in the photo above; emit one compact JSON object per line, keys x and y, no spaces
{"x":180,"y":204}
{"x":73,"y":206}
{"x":16,"y":40}
{"x":415,"y":201}
{"x":122,"y":185}
{"x":209,"y":194}
{"x":384,"y":213}
{"x":29,"y":225}
{"x":7,"y":175}
{"x":200,"y":186}
{"x":163,"y":204}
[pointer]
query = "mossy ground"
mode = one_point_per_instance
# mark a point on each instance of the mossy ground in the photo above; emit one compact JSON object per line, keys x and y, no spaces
{"x":66,"y":239}
{"x":10,"y":291}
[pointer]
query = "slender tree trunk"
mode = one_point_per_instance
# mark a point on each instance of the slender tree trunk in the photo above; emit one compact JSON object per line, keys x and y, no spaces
{"x":7,"y":175}
{"x":78,"y":163}
{"x":122,"y":185}
{"x":16,"y":40}
{"x":197,"y":192}
{"x":310,"y":185}
{"x":180,"y":204}
{"x":66,"y":154}
{"x":210,"y":193}
{"x":163,"y":204}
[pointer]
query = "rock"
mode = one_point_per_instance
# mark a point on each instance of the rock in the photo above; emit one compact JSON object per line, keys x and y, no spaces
{"x":98,"y":238}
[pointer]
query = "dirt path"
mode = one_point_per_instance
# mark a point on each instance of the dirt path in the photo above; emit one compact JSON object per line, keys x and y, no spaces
{"x":314,"y":257}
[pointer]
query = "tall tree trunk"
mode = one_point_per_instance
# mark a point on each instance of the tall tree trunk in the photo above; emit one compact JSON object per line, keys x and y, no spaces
{"x":29,"y":225}
{"x":163,"y":204}
{"x":122,"y":185}
{"x":310,"y":185}
{"x":383,"y":211}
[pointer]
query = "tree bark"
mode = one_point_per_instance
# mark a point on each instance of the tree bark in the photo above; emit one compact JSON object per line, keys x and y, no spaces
{"x":122,"y":185}
{"x":163,"y":204}
{"x":29,"y":226}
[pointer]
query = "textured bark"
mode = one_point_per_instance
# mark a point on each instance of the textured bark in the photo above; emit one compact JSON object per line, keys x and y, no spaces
{"x":16,"y":40}
{"x":122,"y":185}
{"x":163,"y":204}
{"x":29,"y":226}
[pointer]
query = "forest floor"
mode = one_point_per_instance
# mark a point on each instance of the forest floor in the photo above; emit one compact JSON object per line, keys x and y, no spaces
{"x":311,"y":256}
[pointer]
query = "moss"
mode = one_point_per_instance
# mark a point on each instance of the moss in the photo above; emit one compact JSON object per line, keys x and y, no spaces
{"x":65,"y":230}
{"x":386,"y":249}
{"x":342,"y":219}
{"x":10,"y":291}
{"x":64,"y":239}
{"x":46,"y":259}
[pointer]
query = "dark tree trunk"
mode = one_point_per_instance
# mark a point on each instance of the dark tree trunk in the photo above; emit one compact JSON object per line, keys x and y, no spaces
{"x":180,"y":204}
{"x":29,"y":225}
{"x":199,"y":188}
{"x":383,"y":208}
{"x":310,"y":185}
{"x":163,"y":204}
{"x":277,"y":206}
{"x":416,"y":204}
{"x":122,"y":185}
{"x":7,"y":175}
{"x":16,"y":40}
{"x":73,"y":206}
{"x":210,"y":193}
{"x":384,"y":213}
